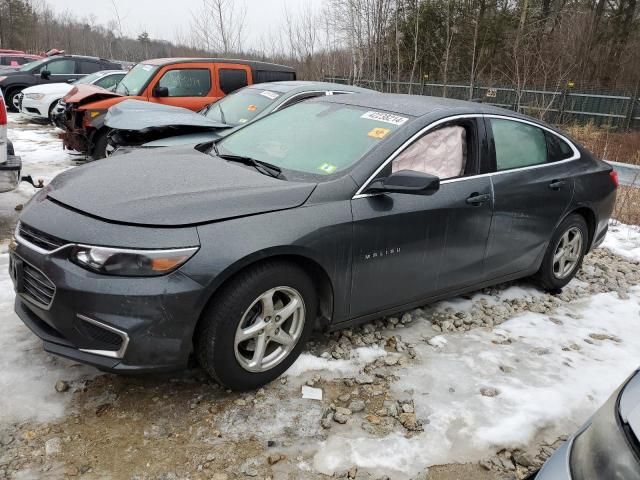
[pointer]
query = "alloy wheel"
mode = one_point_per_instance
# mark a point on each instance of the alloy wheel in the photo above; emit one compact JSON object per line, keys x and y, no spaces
{"x":270,"y":329}
{"x":567,"y":254}
{"x":15,"y":100}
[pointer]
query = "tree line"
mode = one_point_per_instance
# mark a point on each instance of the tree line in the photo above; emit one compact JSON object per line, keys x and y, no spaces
{"x":542,"y":43}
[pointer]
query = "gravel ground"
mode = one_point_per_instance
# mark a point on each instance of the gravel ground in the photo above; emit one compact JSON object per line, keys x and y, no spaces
{"x":484,"y":386}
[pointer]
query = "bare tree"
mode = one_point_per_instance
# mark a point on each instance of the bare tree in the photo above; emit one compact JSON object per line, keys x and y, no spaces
{"x":219,"y":25}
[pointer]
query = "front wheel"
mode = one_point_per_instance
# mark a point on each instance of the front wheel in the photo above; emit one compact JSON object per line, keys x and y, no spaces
{"x":257,"y":325}
{"x":565,"y":253}
{"x":13,"y":100}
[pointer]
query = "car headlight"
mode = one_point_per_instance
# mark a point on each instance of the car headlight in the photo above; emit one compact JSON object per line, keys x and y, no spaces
{"x":130,"y":263}
{"x":34,"y":96}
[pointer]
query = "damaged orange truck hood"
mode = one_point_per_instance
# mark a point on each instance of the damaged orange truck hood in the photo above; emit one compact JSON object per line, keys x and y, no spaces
{"x":83,"y":95}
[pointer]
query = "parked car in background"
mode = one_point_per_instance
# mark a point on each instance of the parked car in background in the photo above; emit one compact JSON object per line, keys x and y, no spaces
{"x":192,"y":83}
{"x":54,"y":69}
{"x":39,"y":101}
{"x":150,"y":125}
{"x":14,"y":59}
{"x":606,"y":447}
{"x":10,"y":165}
{"x":300,"y":220}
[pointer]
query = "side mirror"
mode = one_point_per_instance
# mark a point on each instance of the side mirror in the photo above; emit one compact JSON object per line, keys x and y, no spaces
{"x":406,"y":181}
{"x":46,"y":74}
{"x":161,"y":92}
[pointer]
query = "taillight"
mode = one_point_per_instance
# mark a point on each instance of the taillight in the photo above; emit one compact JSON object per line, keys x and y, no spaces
{"x":614,"y":178}
{"x":3,"y":113}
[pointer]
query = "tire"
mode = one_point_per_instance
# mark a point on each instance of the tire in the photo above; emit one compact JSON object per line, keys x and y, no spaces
{"x":573,"y":233}
{"x":50,"y":115}
{"x":10,"y":99}
{"x":99,"y":150}
{"x":233,"y":363}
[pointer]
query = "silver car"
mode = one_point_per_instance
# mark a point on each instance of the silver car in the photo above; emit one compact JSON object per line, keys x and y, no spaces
{"x":607,"y":447}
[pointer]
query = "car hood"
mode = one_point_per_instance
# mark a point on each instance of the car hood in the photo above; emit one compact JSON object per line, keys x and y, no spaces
{"x":50,"y":88}
{"x":191,"y":139}
{"x":84,"y":93}
{"x":138,"y":115}
{"x":172,"y":187}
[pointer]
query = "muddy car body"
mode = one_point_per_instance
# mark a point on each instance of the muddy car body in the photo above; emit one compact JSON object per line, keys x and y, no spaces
{"x":140,"y":124}
{"x":333,"y":211}
{"x":191,"y":83}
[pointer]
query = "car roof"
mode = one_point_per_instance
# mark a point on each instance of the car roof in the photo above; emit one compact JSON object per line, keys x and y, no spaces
{"x":307,"y":86}
{"x":416,"y":105}
{"x":251,"y":63}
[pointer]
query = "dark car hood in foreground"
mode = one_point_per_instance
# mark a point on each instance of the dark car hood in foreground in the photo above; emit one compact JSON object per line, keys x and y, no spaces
{"x":138,"y":115}
{"x":173,"y":187}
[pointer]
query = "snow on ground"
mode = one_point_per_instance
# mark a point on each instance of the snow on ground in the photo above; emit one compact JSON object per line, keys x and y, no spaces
{"x":550,"y":372}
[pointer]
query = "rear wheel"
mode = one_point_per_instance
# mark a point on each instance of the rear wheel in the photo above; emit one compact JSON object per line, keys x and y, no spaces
{"x":564,"y":254}
{"x":257,"y":325}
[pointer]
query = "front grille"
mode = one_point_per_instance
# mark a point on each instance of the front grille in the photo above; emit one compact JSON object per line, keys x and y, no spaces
{"x":37,"y":288}
{"x":39,"y":239}
{"x":100,"y":334}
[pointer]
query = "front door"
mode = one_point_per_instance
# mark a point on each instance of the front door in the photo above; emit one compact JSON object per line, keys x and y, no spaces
{"x":533,"y":186}
{"x":191,"y":86}
{"x":411,"y":247}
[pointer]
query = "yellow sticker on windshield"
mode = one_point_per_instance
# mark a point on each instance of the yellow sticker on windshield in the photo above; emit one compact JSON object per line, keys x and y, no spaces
{"x":379,"y":132}
{"x":252,"y":108}
{"x":328,"y":168}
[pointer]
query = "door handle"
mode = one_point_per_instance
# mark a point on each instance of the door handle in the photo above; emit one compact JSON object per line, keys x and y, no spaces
{"x":557,"y":184}
{"x":477,"y":199}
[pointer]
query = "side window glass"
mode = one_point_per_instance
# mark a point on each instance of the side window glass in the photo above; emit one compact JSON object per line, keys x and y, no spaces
{"x":61,"y":67}
{"x":188,"y":82}
{"x":442,"y":153}
{"x":518,"y":144}
{"x":89,"y":67}
{"x":558,"y":149}
{"x":108,"y":81}
{"x":232,"y":79}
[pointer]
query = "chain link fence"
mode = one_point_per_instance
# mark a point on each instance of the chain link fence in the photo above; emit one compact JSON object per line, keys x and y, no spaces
{"x":616,"y":109}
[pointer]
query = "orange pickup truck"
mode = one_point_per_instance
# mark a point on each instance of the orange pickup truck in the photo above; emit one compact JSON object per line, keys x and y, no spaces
{"x":191,"y":83}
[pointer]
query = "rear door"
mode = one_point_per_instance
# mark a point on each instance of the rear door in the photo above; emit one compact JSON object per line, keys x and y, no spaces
{"x":531,"y":172}
{"x":190,"y":85}
{"x":410,"y":247}
{"x":231,"y":77}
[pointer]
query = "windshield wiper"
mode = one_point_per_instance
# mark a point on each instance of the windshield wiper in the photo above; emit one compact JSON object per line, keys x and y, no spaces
{"x":221,"y":114}
{"x":262,"y":167}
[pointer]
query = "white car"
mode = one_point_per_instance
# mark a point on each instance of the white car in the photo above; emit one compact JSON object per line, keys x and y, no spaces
{"x":38,"y":101}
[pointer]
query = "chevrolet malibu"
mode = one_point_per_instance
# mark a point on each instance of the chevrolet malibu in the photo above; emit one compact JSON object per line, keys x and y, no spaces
{"x":331,"y":212}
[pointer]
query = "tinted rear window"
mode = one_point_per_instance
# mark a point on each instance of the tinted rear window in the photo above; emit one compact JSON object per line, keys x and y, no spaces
{"x":232,"y":79}
{"x":263,"y":76}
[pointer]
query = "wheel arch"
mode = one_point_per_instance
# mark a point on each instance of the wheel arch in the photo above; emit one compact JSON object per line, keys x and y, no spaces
{"x":316,"y":271}
{"x":590,"y":217}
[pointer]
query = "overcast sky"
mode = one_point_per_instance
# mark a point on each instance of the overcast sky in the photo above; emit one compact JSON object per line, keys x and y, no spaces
{"x":162,"y":18}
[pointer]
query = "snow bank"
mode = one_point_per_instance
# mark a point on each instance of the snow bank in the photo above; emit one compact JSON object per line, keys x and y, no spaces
{"x":359,"y":358}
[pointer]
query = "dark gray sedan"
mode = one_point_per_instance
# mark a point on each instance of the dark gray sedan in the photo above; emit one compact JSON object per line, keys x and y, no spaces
{"x":149,"y":125}
{"x":331,"y":212}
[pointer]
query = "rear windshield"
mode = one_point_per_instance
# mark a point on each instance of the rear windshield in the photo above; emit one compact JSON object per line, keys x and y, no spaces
{"x":241,"y":107}
{"x":316,"y":138}
{"x":136,"y":80}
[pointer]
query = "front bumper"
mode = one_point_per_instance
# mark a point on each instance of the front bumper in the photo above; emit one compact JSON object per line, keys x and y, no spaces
{"x":114,"y":323}
{"x":33,"y":108}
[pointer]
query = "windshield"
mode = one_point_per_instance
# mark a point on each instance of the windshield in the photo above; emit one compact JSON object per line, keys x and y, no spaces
{"x":134,"y":82}
{"x":91,"y":78}
{"x":317,"y":138}
{"x":242,"y":106}
{"x":27,"y":67}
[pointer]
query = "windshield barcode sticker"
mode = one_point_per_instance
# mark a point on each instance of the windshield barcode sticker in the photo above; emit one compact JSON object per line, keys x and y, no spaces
{"x":270,"y":95}
{"x":385,"y":117}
